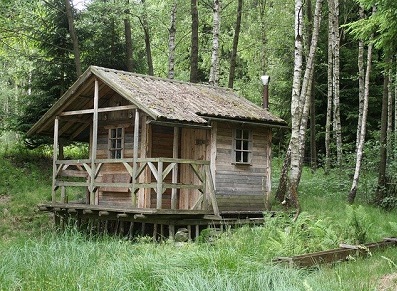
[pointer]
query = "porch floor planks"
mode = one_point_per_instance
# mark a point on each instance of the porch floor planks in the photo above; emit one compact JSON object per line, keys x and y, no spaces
{"x":177,"y":217}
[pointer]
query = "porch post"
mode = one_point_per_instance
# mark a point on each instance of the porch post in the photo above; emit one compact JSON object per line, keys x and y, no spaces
{"x":134,"y":162}
{"x":54,"y":159}
{"x":94,"y":143}
{"x":175,"y":150}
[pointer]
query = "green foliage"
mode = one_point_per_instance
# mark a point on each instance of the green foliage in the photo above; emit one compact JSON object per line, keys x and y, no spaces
{"x":358,"y":224}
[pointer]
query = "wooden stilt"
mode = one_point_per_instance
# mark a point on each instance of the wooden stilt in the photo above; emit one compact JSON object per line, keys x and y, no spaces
{"x":172,"y":232}
{"x":155,"y":232}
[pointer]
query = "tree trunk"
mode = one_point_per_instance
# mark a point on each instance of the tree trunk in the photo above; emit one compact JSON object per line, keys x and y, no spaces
{"x":283,"y":181}
{"x":296,"y":108}
{"x":361,"y":73}
{"x":148,"y":49}
{"x":308,"y":84}
{"x":313,"y":145}
{"x":233,"y":56}
{"x":73,"y":36}
{"x":213,"y":79}
{"x":171,"y":42}
{"x":380,"y":191}
{"x":328,"y":121}
{"x":390,"y":111}
{"x":359,"y":154}
{"x":337,"y":124}
{"x":194,"y":43}
{"x":128,"y":43}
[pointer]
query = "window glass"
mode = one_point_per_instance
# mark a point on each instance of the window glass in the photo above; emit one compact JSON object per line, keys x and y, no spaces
{"x":116,"y":141}
{"x":242,"y":146}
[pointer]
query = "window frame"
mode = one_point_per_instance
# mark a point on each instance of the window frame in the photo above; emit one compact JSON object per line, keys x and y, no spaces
{"x":242,"y":143}
{"x":113,"y":150}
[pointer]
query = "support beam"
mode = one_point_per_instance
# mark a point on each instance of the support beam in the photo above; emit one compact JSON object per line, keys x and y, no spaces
{"x":135,"y":157}
{"x":94,"y":143}
{"x":54,"y":159}
{"x":159,"y":188}
{"x":175,"y":151}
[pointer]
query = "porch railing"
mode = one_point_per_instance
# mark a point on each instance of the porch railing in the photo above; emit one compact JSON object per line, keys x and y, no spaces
{"x":85,"y":174}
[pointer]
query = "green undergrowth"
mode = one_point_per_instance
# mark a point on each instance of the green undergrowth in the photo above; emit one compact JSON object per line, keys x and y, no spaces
{"x":35,"y":257}
{"x":25,"y":181}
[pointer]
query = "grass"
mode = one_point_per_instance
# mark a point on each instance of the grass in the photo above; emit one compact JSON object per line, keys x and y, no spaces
{"x":35,"y":257}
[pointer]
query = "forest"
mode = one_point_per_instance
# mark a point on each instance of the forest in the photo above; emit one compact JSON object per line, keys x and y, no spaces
{"x":333,"y":78}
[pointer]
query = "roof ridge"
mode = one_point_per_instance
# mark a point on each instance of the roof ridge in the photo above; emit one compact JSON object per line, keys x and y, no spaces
{"x":163,"y":79}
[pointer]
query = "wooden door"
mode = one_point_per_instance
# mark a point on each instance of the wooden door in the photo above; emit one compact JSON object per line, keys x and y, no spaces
{"x":195,"y":145}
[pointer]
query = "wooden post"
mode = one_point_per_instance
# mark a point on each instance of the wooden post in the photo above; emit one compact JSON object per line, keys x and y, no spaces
{"x":205,"y":187}
{"x":266,"y":180}
{"x":135,"y":153}
{"x":54,"y":159}
{"x":159,"y":188}
{"x":175,"y":151}
{"x":212,"y":192}
{"x":94,"y":143}
{"x":141,"y":203}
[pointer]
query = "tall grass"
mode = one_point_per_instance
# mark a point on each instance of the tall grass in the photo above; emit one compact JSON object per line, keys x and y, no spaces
{"x":34,"y":257}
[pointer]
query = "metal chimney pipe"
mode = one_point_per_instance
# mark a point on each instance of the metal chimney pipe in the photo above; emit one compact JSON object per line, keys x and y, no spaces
{"x":265,"y":100}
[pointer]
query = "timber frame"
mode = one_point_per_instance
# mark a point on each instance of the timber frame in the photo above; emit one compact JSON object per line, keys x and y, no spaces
{"x":177,"y":162}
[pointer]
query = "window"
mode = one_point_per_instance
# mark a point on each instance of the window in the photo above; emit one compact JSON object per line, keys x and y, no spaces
{"x":116,"y":143}
{"x":242,"y":146}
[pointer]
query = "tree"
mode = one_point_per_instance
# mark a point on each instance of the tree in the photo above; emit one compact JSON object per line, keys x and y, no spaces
{"x":360,"y":147}
{"x":213,"y":79}
{"x":148,"y":48}
{"x":334,"y":7}
{"x":128,"y":40}
{"x":381,"y":188}
{"x":236,"y":36}
{"x":171,"y":42}
{"x":73,"y":35}
{"x":194,"y":43}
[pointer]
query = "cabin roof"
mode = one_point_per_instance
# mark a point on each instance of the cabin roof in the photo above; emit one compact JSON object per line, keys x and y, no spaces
{"x":162,"y":99}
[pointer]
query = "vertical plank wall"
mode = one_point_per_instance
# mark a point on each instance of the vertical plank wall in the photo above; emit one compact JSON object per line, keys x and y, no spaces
{"x":241,"y":187}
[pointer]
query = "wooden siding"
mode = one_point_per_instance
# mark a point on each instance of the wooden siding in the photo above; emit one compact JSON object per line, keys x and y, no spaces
{"x":115,"y":173}
{"x":242,"y":187}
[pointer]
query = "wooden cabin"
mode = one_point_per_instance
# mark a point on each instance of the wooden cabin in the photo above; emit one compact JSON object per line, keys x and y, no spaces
{"x":159,"y":145}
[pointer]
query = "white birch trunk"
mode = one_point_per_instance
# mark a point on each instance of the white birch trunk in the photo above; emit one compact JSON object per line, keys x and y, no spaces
{"x":336,"y":76}
{"x":296,"y":105}
{"x":361,"y":73}
{"x":329,"y":93}
{"x":213,"y":80}
{"x":307,"y":84}
{"x":359,"y":154}
{"x":171,"y":42}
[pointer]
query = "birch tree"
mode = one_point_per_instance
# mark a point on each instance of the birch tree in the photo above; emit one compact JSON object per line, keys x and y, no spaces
{"x":307,"y":85}
{"x":236,"y":36}
{"x":360,"y":147}
{"x":328,"y":120}
{"x":337,"y":128}
{"x":171,"y":42}
{"x":361,"y":73}
{"x":194,"y":47}
{"x":213,"y":79}
{"x":296,"y":106}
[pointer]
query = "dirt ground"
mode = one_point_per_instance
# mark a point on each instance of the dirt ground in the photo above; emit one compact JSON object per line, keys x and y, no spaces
{"x":388,"y":283}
